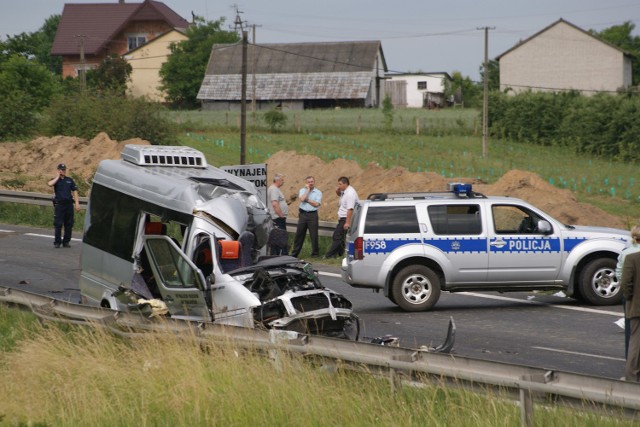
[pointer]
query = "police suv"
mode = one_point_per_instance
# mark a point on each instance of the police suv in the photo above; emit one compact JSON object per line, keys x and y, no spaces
{"x":412,"y":246}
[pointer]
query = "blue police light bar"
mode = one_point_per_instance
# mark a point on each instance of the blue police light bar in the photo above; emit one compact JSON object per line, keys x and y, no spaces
{"x":460,"y":189}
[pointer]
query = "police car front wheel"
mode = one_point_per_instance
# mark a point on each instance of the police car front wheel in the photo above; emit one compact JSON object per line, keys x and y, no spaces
{"x":416,"y":288}
{"x":599,"y":284}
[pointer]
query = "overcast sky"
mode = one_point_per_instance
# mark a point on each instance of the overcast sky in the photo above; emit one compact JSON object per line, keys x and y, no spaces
{"x":416,"y":35}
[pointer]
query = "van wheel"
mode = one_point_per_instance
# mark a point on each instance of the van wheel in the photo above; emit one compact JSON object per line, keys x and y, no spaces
{"x":416,"y":288}
{"x":599,"y":284}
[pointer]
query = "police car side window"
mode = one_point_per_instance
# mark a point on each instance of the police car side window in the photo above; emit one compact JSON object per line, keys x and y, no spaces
{"x":508,"y":219}
{"x":455,"y":219}
{"x":391,"y":220}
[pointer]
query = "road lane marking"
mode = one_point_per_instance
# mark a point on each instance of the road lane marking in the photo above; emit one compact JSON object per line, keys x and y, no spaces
{"x":618,"y":359}
{"x":325,"y":273}
{"x":50,"y":237}
{"x":564,"y":307}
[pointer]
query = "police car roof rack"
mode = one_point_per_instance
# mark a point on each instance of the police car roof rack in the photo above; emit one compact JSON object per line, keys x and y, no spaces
{"x":453,"y":193}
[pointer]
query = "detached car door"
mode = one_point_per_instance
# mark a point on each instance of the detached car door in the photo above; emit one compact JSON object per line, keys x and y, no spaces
{"x":179,"y":281}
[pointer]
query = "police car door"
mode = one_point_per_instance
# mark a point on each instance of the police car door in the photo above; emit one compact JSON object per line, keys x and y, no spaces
{"x":180,"y":283}
{"x":518,"y":252}
{"x":457,"y":240}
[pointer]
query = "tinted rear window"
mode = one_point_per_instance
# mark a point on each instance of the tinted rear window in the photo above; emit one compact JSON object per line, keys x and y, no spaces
{"x":455,"y":219}
{"x":391,"y":220}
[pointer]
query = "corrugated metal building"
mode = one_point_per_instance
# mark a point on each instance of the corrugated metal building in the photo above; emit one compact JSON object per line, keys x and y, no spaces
{"x":296,"y":76}
{"x":564,"y":57}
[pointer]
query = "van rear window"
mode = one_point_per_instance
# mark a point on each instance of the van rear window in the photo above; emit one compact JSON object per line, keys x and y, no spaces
{"x":391,"y":220}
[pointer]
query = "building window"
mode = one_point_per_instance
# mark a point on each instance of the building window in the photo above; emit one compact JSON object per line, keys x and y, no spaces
{"x":136,"y":40}
{"x":422,"y":85}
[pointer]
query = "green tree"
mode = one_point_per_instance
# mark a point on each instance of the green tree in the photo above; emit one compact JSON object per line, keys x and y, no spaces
{"x":620,"y":36}
{"x":111,"y":75}
{"x":184,"y":70}
{"x":36,"y":45}
{"x":387,"y":112}
{"x":27,"y":76}
{"x":463,"y":88}
{"x":26,"y":88}
{"x":494,"y":74}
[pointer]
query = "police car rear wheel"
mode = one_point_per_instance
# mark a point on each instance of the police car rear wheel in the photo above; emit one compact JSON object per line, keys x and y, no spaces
{"x":598,"y":283}
{"x":416,"y":288}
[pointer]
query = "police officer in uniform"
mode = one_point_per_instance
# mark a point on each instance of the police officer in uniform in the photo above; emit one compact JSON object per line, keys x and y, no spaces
{"x":66,"y":196}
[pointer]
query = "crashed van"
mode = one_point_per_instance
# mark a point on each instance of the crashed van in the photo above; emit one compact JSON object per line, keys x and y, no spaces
{"x":167,"y":233}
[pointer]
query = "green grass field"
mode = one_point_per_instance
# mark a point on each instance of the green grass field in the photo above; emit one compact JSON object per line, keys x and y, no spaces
{"x":449,"y":144}
{"x":70,"y":376}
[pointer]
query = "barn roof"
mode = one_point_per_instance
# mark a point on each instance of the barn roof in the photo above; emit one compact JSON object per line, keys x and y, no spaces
{"x":327,"y":70}
{"x":101,"y":22}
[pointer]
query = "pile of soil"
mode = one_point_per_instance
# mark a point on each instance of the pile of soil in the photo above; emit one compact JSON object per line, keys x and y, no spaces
{"x":32,"y":164}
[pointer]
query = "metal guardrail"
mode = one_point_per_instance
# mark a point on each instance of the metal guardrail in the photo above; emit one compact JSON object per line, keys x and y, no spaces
{"x":29,"y":198}
{"x":529,"y":383}
{"x":325,"y":228}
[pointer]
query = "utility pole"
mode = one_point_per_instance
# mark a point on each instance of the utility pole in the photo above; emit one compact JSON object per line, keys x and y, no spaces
{"x":239,"y":24}
{"x":253,"y":71}
{"x":485,"y":95}
{"x":243,"y":99}
{"x":83,"y":73}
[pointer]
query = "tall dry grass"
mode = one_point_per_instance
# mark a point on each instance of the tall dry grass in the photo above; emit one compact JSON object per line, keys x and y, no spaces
{"x":82,"y":376}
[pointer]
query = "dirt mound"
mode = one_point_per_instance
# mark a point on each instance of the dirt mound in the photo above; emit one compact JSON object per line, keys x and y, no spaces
{"x":35,"y":162}
{"x":524,"y":185}
{"x":28,"y":167}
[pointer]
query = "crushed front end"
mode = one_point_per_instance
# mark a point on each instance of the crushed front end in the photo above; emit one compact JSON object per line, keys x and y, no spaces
{"x":293,"y":298}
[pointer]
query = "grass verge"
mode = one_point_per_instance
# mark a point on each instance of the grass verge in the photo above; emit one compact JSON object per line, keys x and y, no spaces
{"x":79,"y":376}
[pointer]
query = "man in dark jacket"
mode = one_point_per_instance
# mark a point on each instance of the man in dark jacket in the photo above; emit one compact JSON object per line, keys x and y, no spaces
{"x":630,"y":283}
{"x":66,"y":195}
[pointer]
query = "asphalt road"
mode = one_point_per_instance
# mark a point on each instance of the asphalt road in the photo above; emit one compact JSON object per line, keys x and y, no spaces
{"x":538,"y":330}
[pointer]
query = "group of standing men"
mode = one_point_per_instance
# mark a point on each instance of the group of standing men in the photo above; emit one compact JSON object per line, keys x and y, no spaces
{"x":310,"y":201}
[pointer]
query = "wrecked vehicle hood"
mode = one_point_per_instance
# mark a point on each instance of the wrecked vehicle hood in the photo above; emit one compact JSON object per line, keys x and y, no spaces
{"x":292,"y":297}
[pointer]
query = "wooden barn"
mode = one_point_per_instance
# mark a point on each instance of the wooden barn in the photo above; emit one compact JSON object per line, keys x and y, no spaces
{"x":295,"y":76}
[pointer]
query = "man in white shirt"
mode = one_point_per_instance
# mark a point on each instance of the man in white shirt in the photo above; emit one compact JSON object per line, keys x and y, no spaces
{"x":348,"y":200}
{"x":278,"y":209}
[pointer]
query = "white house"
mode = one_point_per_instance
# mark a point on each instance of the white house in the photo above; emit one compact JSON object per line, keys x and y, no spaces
{"x":564,"y":57}
{"x":417,"y":90}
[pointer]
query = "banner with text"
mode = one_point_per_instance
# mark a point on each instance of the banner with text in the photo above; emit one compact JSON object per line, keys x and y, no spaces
{"x":255,"y":173}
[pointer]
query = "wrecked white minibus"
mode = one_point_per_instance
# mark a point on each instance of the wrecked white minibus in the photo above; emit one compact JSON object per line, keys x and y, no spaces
{"x":184,"y":239}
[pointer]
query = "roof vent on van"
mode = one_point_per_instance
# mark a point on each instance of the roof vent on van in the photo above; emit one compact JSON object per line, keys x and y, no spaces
{"x":157,"y":155}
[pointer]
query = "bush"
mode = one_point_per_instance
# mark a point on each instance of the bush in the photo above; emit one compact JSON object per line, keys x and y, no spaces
{"x":387,"y":111}
{"x":275,"y":119}
{"x":603,"y":125}
{"x":85,"y":115}
{"x":17,"y":116}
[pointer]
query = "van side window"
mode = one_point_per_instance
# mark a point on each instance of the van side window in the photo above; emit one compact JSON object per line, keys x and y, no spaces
{"x":391,"y":220}
{"x":455,"y":219}
{"x":174,"y":271}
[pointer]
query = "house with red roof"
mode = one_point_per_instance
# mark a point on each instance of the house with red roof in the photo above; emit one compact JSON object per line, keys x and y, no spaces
{"x":90,"y":32}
